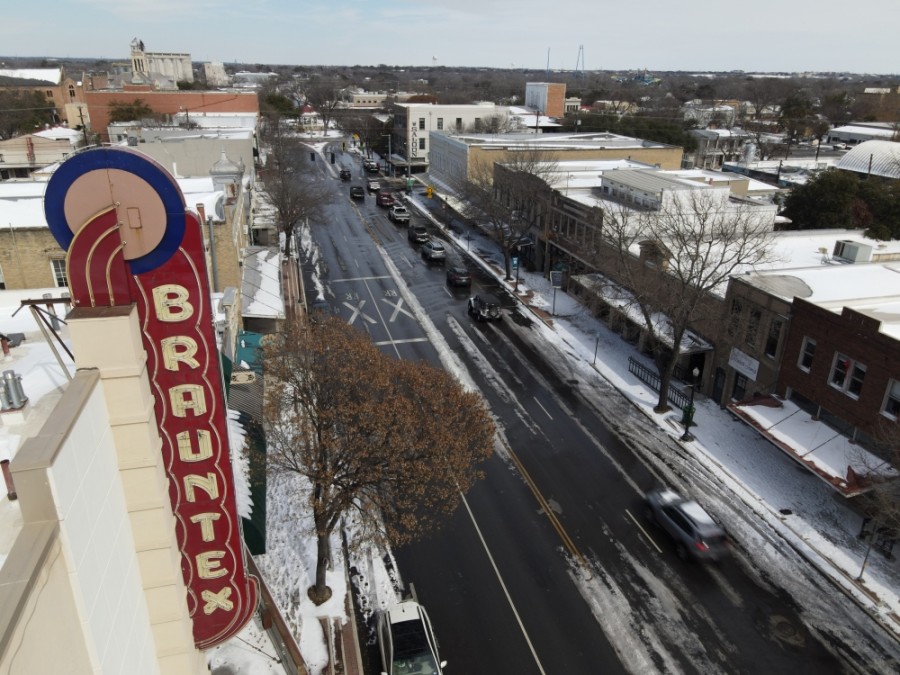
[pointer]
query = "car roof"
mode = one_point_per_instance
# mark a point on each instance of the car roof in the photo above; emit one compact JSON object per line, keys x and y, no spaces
{"x":404,"y":611}
{"x":696,"y":513}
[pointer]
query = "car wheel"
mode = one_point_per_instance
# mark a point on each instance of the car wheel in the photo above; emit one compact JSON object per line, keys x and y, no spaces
{"x":682,"y":551}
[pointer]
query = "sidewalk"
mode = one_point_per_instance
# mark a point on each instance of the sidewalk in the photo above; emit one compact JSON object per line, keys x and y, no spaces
{"x":806,"y":512}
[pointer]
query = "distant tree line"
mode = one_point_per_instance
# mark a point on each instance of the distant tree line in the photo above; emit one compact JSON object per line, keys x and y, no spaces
{"x":843,"y":199}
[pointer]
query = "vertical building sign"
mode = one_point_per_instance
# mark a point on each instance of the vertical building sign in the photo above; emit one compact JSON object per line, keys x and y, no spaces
{"x":122,"y":219}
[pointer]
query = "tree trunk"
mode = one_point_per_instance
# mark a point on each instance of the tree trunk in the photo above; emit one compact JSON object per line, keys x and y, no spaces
{"x":320,"y":592}
{"x":665,"y":370}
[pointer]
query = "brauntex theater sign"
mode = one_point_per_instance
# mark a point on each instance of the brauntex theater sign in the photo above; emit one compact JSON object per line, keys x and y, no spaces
{"x":129,"y":239}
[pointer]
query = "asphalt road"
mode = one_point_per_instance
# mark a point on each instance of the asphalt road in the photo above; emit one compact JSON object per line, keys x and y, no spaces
{"x":549,"y":566}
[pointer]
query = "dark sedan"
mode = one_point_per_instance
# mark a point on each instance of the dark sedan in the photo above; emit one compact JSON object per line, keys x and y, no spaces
{"x":458,"y":276}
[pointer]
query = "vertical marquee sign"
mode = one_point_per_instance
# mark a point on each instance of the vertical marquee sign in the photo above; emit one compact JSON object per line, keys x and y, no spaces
{"x":122,"y":219}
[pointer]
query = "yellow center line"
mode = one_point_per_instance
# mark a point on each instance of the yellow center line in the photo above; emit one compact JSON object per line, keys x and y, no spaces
{"x":551,"y":516}
{"x":646,"y":534}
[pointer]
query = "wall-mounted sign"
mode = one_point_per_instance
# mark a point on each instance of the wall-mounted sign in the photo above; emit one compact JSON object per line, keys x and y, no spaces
{"x":743,"y":363}
{"x":122,"y":219}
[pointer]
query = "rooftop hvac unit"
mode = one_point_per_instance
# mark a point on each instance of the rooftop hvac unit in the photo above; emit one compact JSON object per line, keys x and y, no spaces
{"x":852,"y":251}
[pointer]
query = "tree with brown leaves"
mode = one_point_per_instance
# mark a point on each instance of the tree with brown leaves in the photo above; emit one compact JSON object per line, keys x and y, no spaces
{"x":390,"y":443}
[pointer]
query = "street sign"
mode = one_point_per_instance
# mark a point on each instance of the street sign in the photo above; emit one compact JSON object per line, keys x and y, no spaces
{"x":556,"y":279}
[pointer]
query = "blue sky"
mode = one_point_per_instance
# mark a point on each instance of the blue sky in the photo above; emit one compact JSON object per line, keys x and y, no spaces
{"x":763,"y":35}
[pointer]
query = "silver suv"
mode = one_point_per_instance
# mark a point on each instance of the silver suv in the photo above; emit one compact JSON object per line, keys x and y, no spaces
{"x":433,"y":252}
{"x":695,"y":533}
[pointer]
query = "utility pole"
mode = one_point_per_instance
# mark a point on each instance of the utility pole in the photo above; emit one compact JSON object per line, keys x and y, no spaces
{"x":83,"y":126}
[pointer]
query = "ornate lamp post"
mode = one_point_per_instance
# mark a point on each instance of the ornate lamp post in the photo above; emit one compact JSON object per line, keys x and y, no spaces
{"x":688,"y":413}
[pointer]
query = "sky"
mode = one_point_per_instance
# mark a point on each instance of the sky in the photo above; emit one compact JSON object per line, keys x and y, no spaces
{"x":762,"y":36}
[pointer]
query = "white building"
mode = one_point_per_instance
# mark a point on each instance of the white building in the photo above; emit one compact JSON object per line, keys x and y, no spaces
{"x":414,"y":122}
{"x":160,"y":66}
{"x":215,"y":74}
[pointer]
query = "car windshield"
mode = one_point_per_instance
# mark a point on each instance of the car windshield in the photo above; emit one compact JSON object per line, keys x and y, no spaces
{"x":411,"y":651}
{"x":437,"y":246}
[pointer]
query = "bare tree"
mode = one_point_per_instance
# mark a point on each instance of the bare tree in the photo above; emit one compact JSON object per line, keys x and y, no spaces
{"x":296,"y":191}
{"x":881,"y":474}
{"x":390,"y":443}
{"x":364,"y":124}
{"x":502,"y":197}
{"x":494,"y":124}
{"x":322,"y":96}
{"x":666,"y":264}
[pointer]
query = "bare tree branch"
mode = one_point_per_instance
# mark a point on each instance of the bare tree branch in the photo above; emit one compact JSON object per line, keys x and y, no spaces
{"x":673,"y":259}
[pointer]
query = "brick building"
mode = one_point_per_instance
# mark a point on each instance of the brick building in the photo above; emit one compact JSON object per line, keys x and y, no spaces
{"x":99,"y":103}
{"x":64,"y":93}
{"x":548,"y":97}
{"x":843,"y":367}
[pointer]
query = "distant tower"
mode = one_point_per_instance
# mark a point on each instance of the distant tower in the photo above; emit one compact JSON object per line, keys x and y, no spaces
{"x":139,"y":65}
{"x":579,"y":62}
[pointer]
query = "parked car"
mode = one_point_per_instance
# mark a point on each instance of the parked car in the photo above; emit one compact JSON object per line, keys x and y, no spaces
{"x":695,"y":533}
{"x":458,"y":276}
{"x":839,"y":146}
{"x":433,"y":252}
{"x":345,"y":174}
{"x":356,"y":192}
{"x":384,"y":199}
{"x":373,"y":186}
{"x":417,"y":234}
{"x":406,"y":641}
{"x":484,"y":308}
{"x":399,"y":214}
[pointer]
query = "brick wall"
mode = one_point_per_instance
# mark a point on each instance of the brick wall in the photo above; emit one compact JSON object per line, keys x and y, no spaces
{"x":168,"y":103}
{"x":25,"y":255}
{"x":853,"y":335}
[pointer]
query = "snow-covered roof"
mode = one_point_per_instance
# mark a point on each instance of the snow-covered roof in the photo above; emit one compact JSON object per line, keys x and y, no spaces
{"x":885,"y":131}
{"x":261,"y":286}
{"x":878,"y":158}
{"x":593,"y":141}
{"x":61,"y":133}
{"x":720,"y":133}
{"x":22,"y":202}
{"x":52,"y":75}
{"x":804,"y":268}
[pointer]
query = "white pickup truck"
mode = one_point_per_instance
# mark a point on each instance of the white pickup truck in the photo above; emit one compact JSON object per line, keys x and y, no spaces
{"x":399,"y":214}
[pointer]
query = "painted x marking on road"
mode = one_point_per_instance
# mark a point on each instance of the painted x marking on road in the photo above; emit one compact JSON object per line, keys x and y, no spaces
{"x":357,"y":311}
{"x":398,"y":307}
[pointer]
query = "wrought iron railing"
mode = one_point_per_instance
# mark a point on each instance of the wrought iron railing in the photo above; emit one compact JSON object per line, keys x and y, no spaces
{"x":650,"y":377}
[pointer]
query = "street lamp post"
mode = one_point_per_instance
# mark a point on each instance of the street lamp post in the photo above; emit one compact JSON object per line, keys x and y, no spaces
{"x":389,"y":154}
{"x":688,"y":413}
